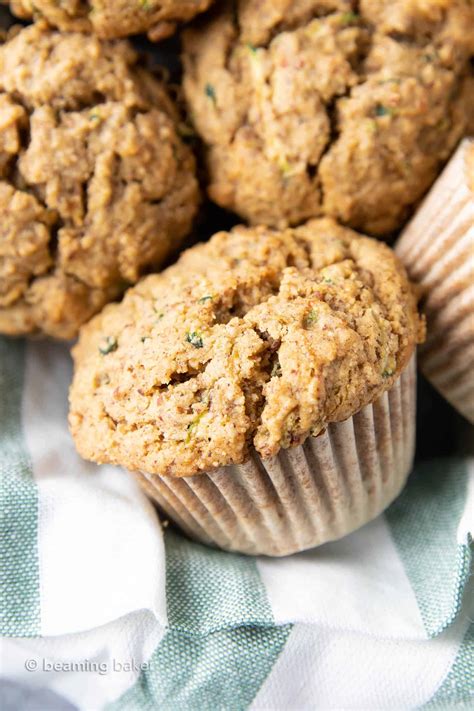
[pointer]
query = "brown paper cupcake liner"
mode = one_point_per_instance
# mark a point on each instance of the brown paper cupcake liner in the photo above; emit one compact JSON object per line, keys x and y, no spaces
{"x":437,"y":248}
{"x":305,"y":496}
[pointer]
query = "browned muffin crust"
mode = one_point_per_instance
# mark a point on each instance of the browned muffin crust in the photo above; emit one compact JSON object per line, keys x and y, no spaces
{"x":257,"y":338}
{"x":336,"y":107}
{"x":95,"y":184}
{"x":111,"y":18}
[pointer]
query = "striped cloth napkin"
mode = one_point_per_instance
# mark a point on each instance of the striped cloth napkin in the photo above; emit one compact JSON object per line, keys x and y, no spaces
{"x":99,"y":609}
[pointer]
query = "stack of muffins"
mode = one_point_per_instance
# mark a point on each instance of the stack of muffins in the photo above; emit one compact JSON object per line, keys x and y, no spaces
{"x":262,"y":388}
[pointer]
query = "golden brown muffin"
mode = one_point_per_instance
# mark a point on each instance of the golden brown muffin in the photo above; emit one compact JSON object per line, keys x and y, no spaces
{"x":309,"y":107}
{"x":254,"y":340}
{"x":111,"y":18}
{"x":95,"y":184}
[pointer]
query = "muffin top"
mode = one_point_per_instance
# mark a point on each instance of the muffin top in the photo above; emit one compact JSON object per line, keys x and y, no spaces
{"x":313,"y":106}
{"x":111,"y":18}
{"x":257,"y":338}
{"x":95,"y":183}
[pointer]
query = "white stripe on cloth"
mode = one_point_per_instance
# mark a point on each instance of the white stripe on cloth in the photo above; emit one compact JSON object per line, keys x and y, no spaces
{"x":101,"y":552}
{"x":347,"y":585}
{"x":97,"y":673}
{"x":327,"y":669}
{"x":465,"y":531}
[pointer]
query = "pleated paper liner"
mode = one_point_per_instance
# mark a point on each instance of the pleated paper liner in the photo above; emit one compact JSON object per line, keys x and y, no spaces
{"x":437,"y":248}
{"x":307,"y":495}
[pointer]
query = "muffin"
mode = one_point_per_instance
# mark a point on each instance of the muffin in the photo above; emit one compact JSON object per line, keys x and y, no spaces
{"x":111,"y":19}
{"x":310,"y":107}
{"x":231,"y":381}
{"x":96,"y":186}
{"x":437,"y":248}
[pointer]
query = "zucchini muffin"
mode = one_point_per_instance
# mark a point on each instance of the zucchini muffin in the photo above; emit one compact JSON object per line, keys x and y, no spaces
{"x":111,"y":18}
{"x":246,"y":348}
{"x":96,"y":186}
{"x":329,"y":106}
{"x":437,"y":248}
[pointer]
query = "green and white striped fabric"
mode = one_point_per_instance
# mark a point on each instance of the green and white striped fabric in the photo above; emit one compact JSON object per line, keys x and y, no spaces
{"x":106,"y":612}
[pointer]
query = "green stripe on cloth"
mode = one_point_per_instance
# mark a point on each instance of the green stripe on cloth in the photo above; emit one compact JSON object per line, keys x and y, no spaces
{"x":209,"y":590}
{"x":457,"y":690}
{"x":425,"y":535}
{"x":222,"y":642}
{"x":221,"y":670}
{"x":19,"y":573}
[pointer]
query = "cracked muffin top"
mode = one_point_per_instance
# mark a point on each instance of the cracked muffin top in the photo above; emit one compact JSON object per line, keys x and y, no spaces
{"x":257,"y":338}
{"x":111,"y":18}
{"x":311,"y":107}
{"x":95,"y":184}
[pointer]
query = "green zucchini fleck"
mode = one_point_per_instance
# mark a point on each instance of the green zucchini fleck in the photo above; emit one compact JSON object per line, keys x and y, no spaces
{"x":195,"y":339}
{"x":109,"y":345}
{"x":210,"y":93}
